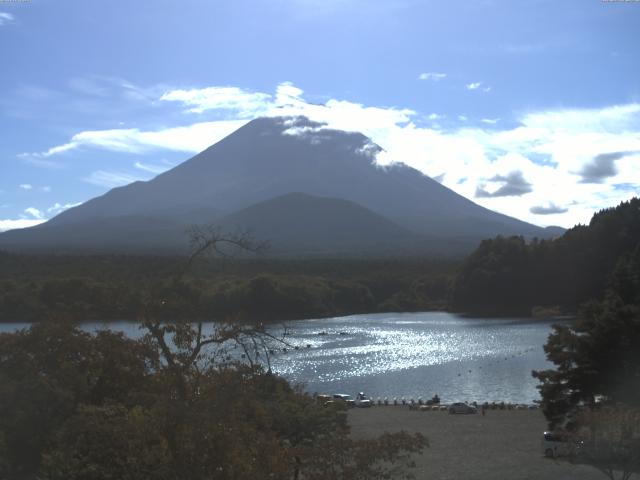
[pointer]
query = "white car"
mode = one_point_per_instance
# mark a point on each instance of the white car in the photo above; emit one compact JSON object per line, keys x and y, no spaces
{"x":460,"y":407}
{"x":363,"y":401}
{"x":342,"y":397}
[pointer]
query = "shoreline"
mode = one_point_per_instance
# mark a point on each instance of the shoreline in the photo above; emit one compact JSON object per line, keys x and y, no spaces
{"x":471,"y":316}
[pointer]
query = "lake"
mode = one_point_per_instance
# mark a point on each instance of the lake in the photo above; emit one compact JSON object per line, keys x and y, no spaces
{"x":411,"y":355}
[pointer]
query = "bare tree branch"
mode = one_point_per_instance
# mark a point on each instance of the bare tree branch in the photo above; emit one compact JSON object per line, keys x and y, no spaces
{"x":208,"y":239}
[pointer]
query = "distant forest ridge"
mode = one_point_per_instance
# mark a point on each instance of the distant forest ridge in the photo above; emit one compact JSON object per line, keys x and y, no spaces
{"x":116,"y":287}
{"x":507,"y":275}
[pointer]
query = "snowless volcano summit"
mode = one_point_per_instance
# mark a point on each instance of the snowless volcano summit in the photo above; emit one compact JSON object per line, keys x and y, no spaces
{"x":293,"y":182}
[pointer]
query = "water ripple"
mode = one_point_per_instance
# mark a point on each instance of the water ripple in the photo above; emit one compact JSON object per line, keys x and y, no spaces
{"x":417,"y":355}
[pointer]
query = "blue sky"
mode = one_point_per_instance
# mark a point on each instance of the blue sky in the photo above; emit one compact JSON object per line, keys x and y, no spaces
{"x":529,"y":108}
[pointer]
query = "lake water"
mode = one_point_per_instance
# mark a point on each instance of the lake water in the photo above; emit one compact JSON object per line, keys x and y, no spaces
{"x":411,"y":355}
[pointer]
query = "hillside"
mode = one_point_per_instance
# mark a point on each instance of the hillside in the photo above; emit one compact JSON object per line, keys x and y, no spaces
{"x":512,"y":276}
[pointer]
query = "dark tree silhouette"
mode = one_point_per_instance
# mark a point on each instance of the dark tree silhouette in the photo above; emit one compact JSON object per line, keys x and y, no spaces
{"x":513,"y":276}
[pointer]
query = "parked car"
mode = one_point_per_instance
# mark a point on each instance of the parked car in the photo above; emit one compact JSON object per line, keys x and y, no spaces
{"x":362,"y":401}
{"x":460,"y":407}
{"x":559,"y":444}
{"x":342,"y":397}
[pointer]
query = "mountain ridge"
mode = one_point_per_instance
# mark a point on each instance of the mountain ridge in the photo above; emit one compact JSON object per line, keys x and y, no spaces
{"x":271,"y":157}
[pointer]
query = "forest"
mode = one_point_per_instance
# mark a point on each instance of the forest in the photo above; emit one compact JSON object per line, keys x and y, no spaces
{"x":593,"y":391}
{"x":110,"y":287}
{"x":510,"y":276}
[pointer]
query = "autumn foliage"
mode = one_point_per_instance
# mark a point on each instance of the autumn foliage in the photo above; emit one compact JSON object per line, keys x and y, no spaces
{"x":75,"y":405}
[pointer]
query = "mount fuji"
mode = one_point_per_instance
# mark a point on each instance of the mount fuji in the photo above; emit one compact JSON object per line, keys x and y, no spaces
{"x":301,"y":186}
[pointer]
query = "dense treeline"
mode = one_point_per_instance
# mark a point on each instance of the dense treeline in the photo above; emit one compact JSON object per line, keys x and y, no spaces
{"x":512,"y":276}
{"x":599,"y":354}
{"x":594,"y":390}
{"x":33,"y":288}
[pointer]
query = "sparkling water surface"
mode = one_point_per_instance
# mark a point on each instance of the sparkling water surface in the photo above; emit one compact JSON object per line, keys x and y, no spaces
{"x":410,"y":355}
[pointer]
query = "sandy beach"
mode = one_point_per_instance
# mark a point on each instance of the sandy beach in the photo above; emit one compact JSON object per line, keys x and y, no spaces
{"x":501,"y":445}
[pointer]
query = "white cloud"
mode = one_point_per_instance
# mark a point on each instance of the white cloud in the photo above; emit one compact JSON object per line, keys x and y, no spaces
{"x":88,"y":86}
{"x":435,"y":116}
{"x":58,"y":207}
{"x":37,"y":160}
{"x":6,"y":18}
{"x":46,"y":189}
{"x":33,"y":216}
{"x":433,"y":76}
{"x":155,"y":169}
{"x":26,"y":186}
{"x":490,"y":121}
{"x":199,"y":100}
{"x":478,"y":86}
{"x":107,"y":86}
{"x":286,"y":93}
{"x":18,"y":223}
{"x":110,"y":179}
{"x":191,"y":138}
{"x":34,"y":212}
{"x":613,"y":118}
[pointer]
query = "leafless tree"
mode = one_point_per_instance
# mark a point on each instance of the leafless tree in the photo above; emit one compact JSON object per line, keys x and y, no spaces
{"x":185,"y":346}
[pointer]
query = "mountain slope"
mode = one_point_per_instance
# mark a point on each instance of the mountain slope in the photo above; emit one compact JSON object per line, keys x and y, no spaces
{"x":127,"y":233}
{"x":271,"y":157}
{"x":298,"y":220}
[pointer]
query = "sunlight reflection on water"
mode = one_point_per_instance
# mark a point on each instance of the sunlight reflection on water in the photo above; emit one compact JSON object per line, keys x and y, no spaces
{"x":412,"y":355}
{"x":417,"y":355}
